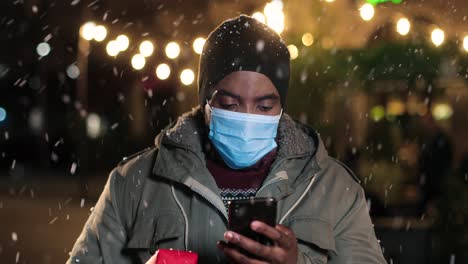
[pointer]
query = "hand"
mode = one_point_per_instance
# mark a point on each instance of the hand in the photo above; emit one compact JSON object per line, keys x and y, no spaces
{"x":283,"y":250}
{"x":152,"y":260}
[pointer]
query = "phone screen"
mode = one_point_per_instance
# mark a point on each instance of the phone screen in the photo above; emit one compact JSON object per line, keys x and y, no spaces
{"x":243,"y":212}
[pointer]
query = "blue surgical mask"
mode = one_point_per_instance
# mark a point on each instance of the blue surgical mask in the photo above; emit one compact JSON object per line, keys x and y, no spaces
{"x":242,"y":139}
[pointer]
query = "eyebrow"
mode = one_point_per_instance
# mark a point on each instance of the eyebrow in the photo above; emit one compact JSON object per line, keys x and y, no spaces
{"x":222,"y":92}
{"x":271,"y":96}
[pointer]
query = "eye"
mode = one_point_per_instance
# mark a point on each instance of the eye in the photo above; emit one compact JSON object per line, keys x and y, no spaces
{"x":229,"y":106}
{"x":264,"y":108}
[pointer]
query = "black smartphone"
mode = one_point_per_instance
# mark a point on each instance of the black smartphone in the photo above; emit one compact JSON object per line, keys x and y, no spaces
{"x":243,"y":212}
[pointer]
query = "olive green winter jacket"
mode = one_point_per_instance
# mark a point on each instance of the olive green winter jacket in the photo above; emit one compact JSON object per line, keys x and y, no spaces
{"x":165,"y":197}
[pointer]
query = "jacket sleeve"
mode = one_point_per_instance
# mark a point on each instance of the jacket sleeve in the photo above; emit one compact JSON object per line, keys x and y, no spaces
{"x":355,"y":238}
{"x":103,"y":236}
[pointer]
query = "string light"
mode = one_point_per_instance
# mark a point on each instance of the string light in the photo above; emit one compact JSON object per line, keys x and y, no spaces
{"x":187,"y":76}
{"x":377,"y":113}
{"x":274,"y":15}
{"x":437,"y":36}
{"x":403,"y":26}
{"x":172,"y":50}
{"x":146,"y":48}
{"x":163,"y":71}
{"x":122,"y":42}
{"x":73,"y":71}
{"x":138,"y":61}
{"x":198,"y":44}
{"x":112,"y":48}
{"x":88,"y":31}
{"x":442,"y":111}
{"x":259,"y":16}
{"x":43,"y":49}
{"x":307,"y":39}
{"x":465,"y":43}
{"x":293,"y":51}
{"x":100,"y":33}
{"x":367,"y":11}
{"x":93,"y":125}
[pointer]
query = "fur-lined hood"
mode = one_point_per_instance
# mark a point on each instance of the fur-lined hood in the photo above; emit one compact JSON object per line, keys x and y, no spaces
{"x":294,"y":138}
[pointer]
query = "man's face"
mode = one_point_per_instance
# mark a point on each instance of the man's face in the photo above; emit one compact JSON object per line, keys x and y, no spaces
{"x":245,"y":92}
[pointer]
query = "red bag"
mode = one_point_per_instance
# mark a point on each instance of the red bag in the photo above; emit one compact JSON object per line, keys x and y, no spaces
{"x":166,"y":256}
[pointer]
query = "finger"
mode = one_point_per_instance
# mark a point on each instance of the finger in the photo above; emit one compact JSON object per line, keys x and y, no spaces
{"x":273,"y":233}
{"x":284,"y":229}
{"x":264,"y":229}
{"x":234,"y":256}
{"x":288,"y":235}
{"x":152,"y":260}
{"x":249,"y":245}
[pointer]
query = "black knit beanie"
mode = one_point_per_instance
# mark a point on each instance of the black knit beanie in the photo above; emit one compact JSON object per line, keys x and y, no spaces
{"x":243,"y":44}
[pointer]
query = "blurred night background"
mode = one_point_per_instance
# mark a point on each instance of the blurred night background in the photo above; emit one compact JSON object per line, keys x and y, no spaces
{"x":385,"y":82}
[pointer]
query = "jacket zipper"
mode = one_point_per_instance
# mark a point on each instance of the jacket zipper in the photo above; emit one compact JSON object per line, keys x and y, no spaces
{"x":267,"y":184}
{"x":274,"y":167}
{"x":201,"y":193}
{"x":223,"y":210}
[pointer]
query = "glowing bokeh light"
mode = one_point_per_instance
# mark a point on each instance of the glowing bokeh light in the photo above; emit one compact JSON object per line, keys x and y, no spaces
{"x":465,"y":43}
{"x":273,"y":8}
{"x":187,"y":77}
{"x":123,"y":42}
{"x":259,"y":16}
{"x":395,"y":107}
{"x":36,"y":119}
{"x":403,"y":26}
{"x":198,"y":44}
{"x":367,"y":11}
{"x":112,"y":48}
{"x":442,"y":111}
{"x":146,"y":48}
{"x":43,"y":49}
{"x":163,"y":71}
{"x":100,"y":33}
{"x":377,"y":113}
{"x":307,"y":39}
{"x":3,"y":114}
{"x":138,"y":61}
{"x":293,"y":51}
{"x":73,"y":72}
{"x":93,"y":125}
{"x":172,"y":50}
{"x":88,"y":30}
{"x":274,"y":15}
{"x":437,"y":36}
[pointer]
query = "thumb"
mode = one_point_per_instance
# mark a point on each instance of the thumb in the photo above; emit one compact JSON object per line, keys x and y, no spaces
{"x":152,"y":260}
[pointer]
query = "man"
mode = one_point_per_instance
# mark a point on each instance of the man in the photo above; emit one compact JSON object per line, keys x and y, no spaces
{"x":237,"y":144}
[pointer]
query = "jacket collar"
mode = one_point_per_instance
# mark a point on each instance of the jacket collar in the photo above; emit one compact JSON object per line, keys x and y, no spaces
{"x":295,"y":139}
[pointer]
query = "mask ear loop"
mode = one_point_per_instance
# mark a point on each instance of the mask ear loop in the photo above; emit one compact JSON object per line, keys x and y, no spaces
{"x":211,"y":97}
{"x":208,"y":105}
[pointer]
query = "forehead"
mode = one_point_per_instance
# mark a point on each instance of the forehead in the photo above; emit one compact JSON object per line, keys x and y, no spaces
{"x":247,"y":83}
